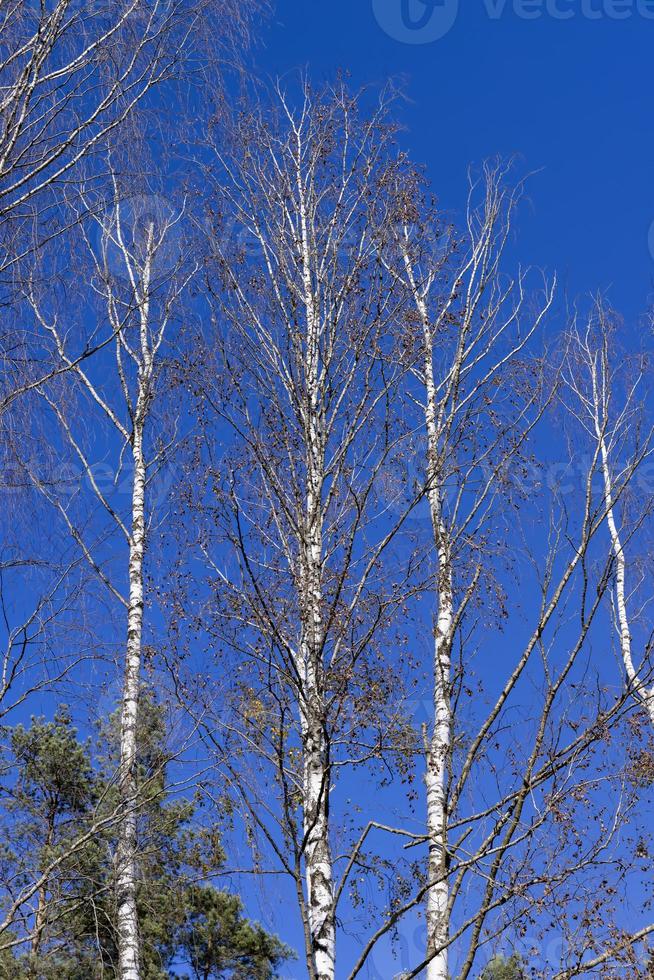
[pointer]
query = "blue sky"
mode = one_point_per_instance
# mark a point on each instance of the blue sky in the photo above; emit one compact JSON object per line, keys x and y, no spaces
{"x":571,"y":97}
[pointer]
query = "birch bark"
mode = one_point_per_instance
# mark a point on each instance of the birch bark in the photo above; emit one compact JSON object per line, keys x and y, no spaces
{"x":137,"y":386}
{"x":594,"y":396}
{"x":624,"y":629}
{"x":126,"y":885}
{"x":438,"y":749}
{"x":316,"y":772}
{"x":127,"y":876}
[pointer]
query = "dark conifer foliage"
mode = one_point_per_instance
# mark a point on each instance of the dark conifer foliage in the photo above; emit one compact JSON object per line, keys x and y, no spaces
{"x":61,"y":806}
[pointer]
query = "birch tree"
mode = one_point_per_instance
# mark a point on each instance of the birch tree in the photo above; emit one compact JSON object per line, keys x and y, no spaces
{"x":300,"y":416}
{"x":137,"y":306}
{"x":621,"y":429}
{"x":460,"y":370}
{"x":482,"y":400}
{"x":71,"y":78}
{"x":72,"y":75}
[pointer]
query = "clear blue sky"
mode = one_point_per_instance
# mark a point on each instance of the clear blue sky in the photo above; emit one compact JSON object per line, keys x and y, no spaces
{"x":572,"y":97}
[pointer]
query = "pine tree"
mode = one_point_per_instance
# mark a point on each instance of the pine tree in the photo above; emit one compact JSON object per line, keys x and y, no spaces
{"x":49,"y":805}
{"x":73,"y":936}
{"x":217,"y":942}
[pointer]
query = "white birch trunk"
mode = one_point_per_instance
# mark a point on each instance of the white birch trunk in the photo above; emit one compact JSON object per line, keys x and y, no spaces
{"x":128,"y":930}
{"x":139,"y":274}
{"x":319,"y":876}
{"x":316,"y":767}
{"x":438,"y":746}
{"x":316,"y":785}
{"x":438,"y":750}
{"x":129,"y":947}
{"x":436,"y":776}
{"x":315,"y":762}
{"x":646,"y":695}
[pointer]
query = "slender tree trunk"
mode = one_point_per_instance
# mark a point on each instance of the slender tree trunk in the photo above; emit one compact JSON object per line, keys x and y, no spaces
{"x":320,"y":891}
{"x":316,"y":768}
{"x":316,"y":763}
{"x":438,"y":746}
{"x":39,"y":920}
{"x":438,"y":749}
{"x":646,"y":695}
{"x":438,"y":754}
{"x":42,"y":897}
{"x":128,"y":931}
